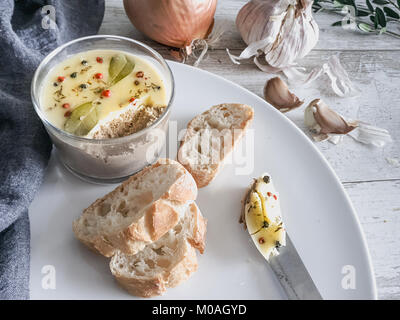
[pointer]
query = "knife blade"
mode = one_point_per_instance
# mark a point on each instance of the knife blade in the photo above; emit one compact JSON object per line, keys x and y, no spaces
{"x":293,"y":275}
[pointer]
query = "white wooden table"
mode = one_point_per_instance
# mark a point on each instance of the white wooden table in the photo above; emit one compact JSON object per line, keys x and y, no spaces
{"x":371,"y":179}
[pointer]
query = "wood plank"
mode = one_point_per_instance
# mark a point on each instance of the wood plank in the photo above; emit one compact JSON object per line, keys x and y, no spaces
{"x":377,"y":74}
{"x":378,"y":208}
{"x":331,"y":38}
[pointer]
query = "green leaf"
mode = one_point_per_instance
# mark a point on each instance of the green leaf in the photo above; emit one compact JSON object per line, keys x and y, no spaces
{"x":381,"y":2}
{"x":380,"y":16}
{"x":316,"y":7}
{"x":383,"y":30}
{"x":370,"y":7}
{"x":364,"y":27}
{"x":391,"y":13}
{"x":362,"y":13}
{"x":82,"y":119}
{"x":374,"y":19}
{"x":117,"y":63}
{"x":337,"y":23}
{"x":338,"y":4}
{"x":347,"y":2}
{"x":120,"y":67}
{"x":127,"y":69}
{"x":353,"y":4}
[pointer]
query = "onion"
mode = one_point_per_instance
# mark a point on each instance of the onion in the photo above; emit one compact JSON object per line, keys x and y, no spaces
{"x":175,"y":23}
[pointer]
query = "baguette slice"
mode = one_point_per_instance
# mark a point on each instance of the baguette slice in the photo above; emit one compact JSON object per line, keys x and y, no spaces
{"x":211,"y":137}
{"x":165,"y":263}
{"x":141,"y":210}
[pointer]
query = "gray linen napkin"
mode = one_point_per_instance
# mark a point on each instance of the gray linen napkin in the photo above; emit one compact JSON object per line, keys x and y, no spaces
{"x":27,"y":35}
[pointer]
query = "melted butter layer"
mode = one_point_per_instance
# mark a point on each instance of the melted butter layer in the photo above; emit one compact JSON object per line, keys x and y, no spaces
{"x":81,"y":85}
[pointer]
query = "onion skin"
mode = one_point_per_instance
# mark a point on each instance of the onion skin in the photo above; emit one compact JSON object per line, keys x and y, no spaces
{"x":175,"y":23}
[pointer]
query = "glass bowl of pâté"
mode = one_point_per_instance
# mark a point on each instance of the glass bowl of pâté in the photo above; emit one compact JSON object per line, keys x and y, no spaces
{"x":105,"y":102}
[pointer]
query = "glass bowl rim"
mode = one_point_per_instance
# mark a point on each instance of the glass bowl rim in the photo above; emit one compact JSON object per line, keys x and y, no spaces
{"x":110,"y":141}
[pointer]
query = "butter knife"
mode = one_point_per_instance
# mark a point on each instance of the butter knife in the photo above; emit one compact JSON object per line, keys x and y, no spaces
{"x":293,"y":275}
{"x":262,"y":217}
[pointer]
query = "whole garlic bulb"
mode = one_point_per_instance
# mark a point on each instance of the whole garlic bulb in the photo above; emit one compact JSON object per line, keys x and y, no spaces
{"x":282,"y":30}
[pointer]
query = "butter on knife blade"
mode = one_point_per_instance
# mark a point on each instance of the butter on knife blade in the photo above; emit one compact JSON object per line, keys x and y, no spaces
{"x":263,"y":219}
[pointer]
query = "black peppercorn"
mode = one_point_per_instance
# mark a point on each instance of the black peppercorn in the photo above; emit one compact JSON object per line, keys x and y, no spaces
{"x":137,"y":82}
{"x":84,"y":62}
{"x":74,"y":74}
{"x":83,"y":86}
{"x":55,"y":84}
{"x":266,"y":179}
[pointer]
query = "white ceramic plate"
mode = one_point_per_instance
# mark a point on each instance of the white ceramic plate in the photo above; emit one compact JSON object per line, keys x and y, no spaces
{"x":318,"y":214}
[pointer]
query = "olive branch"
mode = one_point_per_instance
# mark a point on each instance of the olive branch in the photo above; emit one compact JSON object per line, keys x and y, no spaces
{"x":373,"y":17}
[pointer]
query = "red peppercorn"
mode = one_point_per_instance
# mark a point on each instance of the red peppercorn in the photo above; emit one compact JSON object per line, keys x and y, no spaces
{"x":99,"y":59}
{"x":61,"y":79}
{"x":106,"y":93}
{"x":261,"y":240}
{"x":65,"y":105}
{"x":132,"y":99}
{"x":67,"y":114}
{"x":98,"y":76}
{"x":140,"y":74}
{"x":275,"y":197}
{"x":269,"y":194}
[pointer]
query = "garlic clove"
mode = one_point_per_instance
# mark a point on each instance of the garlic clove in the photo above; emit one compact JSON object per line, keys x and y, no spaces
{"x":309,"y":119}
{"x":277,"y":93}
{"x":326,"y":124}
{"x":323,"y":120}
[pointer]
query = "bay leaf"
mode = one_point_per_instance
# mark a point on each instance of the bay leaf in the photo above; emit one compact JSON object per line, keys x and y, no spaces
{"x":117,"y":63}
{"x":380,"y":16}
{"x":126,"y":70}
{"x":391,"y":13}
{"x":82,"y":119}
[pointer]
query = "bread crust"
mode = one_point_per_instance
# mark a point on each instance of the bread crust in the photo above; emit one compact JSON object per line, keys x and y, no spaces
{"x":198,"y":239}
{"x":159,"y":217}
{"x":156,"y":285}
{"x":145,"y":288}
{"x":185,"y":189}
{"x":162,"y":217}
{"x":202,"y":177}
